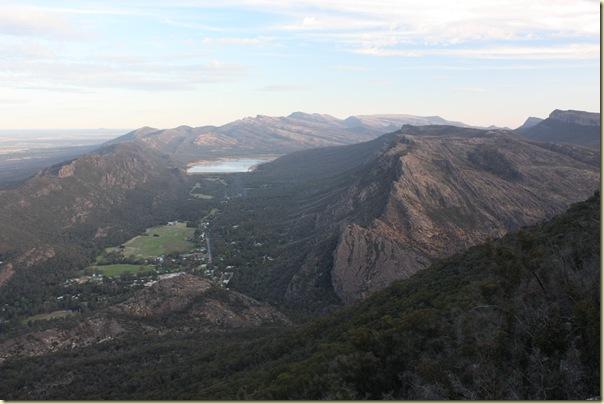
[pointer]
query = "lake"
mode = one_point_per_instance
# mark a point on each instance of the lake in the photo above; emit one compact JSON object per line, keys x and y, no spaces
{"x":226,"y":166}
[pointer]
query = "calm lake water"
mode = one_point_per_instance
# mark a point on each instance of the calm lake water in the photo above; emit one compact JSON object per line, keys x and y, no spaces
{"x":226,"y":166}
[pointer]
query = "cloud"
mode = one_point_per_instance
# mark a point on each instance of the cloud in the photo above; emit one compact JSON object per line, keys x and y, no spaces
{"x":471,"y":90}
{"x":410,"y":27}
{"x":571,"y":51}
{"x":37,"y":22}
{"x":12,"y":101}
{"x":253,"y":41}
{"x":283,"y":88}
{"x":349,"y":68}
{"x":78,"y":76}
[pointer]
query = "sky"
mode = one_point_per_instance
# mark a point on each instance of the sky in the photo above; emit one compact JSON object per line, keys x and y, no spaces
{"x":133,"y":63}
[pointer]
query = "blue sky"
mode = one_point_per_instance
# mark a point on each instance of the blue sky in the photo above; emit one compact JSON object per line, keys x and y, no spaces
{"x":126,"y":64}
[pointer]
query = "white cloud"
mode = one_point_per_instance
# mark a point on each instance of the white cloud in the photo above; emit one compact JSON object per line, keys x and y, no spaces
{"x":34,"y":21}
{"x":385,"y":27}
{"x":571,"y":51}
{"x":78,"y":76}
{"x":253,"y":41}
{"x":471,"y":90}
{"x":349,"y":68}
{"x":283,"y":88}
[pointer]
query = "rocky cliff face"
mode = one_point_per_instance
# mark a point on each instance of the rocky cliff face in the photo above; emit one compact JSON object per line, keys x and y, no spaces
{"x":451,"y":193}
{"x":366,"y":260}
{"x":425,"y":193}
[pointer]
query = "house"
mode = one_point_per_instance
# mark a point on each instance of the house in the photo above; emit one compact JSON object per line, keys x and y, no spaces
{"x":225,"y":278}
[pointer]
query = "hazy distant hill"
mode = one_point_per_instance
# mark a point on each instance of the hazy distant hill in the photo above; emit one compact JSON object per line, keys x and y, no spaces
{"x":24,"y":152}
{"x":570,"y":127}
{"x":352,"y":219}
{"x":271,"y":135}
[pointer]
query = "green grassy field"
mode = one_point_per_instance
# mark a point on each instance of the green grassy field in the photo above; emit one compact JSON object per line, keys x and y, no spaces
{"x":49,"y":316}
{"x":196,"y":193}
{"x":158,"y":241}
{"x":202,"y":196}
{"x":118,"y":269}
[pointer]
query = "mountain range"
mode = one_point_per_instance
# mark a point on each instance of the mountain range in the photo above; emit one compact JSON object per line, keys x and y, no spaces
{"x":370,"y":212}
{"x":267,"y":135}
{"x":352,"y":219}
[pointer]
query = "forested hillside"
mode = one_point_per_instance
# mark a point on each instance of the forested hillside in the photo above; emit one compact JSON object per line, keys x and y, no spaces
{"x":525,"y":306}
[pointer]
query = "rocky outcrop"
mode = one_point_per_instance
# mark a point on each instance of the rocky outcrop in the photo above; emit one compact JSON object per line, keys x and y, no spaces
{"x":6,"y":272}
{"x":179,"y":304}
{"x":366,"y":261}
{"x":90,"y":331}
{"x":164,"y":297}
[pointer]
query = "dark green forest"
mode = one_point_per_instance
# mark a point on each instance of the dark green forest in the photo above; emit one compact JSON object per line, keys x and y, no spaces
{"x":515,"y":318}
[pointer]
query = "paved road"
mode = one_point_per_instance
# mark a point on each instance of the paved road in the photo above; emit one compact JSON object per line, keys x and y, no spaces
{"x":209,"y":249}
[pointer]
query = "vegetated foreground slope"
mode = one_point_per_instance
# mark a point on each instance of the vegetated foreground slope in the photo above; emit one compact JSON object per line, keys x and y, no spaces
{"x":570,"y":127}
{"x":344,"y":222}
{"x":515,"y":318}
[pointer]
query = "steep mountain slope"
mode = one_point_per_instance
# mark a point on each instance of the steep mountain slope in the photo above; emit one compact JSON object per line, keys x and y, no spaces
{"x":54,"y":223}
{"x":526,"y":306}
{"x":271,"y":135}
{"x":352,"y":219}
{"x":83,"y":193}
{"x":570,"y":127}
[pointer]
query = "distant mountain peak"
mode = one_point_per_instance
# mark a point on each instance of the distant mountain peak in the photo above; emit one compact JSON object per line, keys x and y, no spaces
{"x":145,"y":129}
{"x":576,"y":117}
{"x":299,"y":114}
{"x":530,"y":122}
{"x":570,"y":127}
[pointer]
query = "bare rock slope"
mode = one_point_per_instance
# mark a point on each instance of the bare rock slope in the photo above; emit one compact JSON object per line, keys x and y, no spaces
{"x":413,"y":196}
